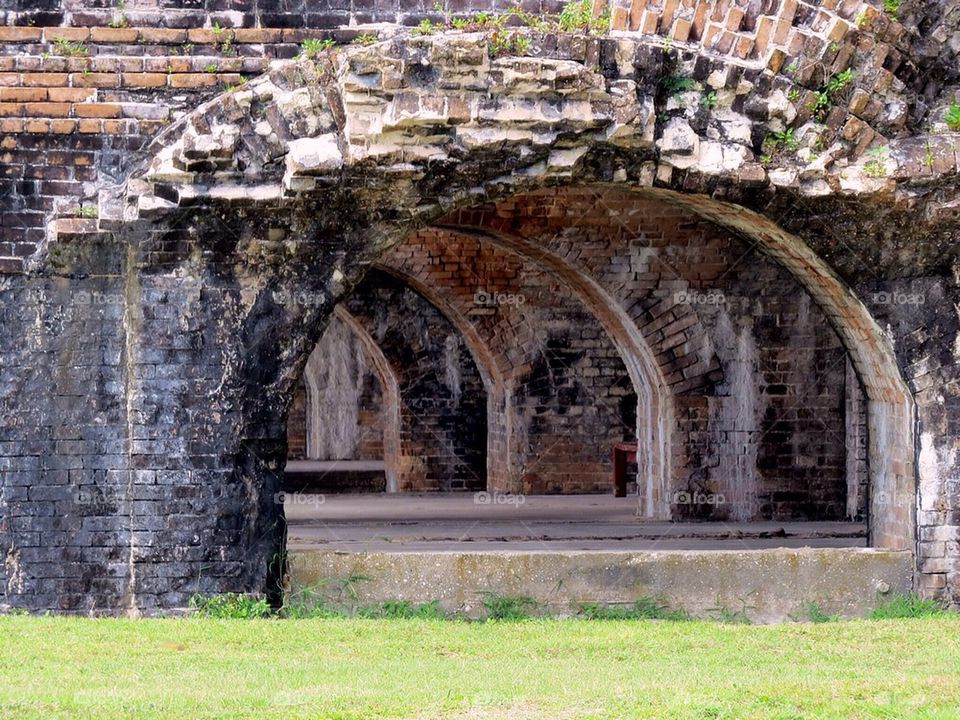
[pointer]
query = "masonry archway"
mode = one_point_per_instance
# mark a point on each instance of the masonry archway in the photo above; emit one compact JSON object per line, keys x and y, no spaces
{"x":355,"y":178}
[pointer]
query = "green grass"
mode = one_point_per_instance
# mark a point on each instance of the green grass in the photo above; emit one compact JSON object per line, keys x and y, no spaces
{"x":558,"y":669}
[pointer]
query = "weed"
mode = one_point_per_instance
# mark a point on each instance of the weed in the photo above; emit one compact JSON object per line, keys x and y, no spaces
{"x":364,"y":39}
{"x":907,"y":606}
{"x":793,"y":94}
{"x":928,"y":155}
{"x":224,"y":38}
{"x":577,"y":16}
{"x":812,"y":612}
{"x":730,"y":617}
{"x":507,"y":607}
{"x":211,"y":67}
{"x":232,"y":606}
{"x":503,"y":42}
{"x":62,"y":46}
{"x":952,"y":116}
{"x":85,"y":211}
{"x":890,"y":7}
{"x":876,"y":166}
{"x":674,"y":84}
{"x":839,"y":81}
{"x":313,"y":48}
{"x":709,"y":100}
{"x":644,"y":608}
{"x":119,"y":20}
{"x":860,"y":19}
{"x":403,"y":609}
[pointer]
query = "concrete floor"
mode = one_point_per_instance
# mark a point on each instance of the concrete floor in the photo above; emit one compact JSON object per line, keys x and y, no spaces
{"x":463,"y":522}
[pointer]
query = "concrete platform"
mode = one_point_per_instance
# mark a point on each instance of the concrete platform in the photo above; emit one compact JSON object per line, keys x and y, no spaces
{"x":564,"y":550}
{"x":459,"y":522}
{"x":765,"y":585}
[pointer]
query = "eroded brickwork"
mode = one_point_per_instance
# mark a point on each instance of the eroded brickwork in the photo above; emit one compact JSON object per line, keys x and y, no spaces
{"x":165,"y":365}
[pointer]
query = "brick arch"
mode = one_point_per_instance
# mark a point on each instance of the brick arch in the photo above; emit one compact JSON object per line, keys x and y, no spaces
{"x":498,"y":434}
{"x":298,"y":182}
{"x":390,"y":390}
{"x":654,"y":403}
{"x":889,"y":401}
{"x":450,"y":269}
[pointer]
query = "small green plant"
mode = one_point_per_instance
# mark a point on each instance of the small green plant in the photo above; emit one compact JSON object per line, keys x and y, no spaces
{"x":839,"y":81}
{"x":890,"y":7}
{"x":62,"y":46}
{"x":820,"y":103}
{"x":730,"y":617}
{"x":777,"y":142}
{"x":232,"y":606}
{"x":860,"y":19}
{"x":793,"y":94}
{"x":644,"y":608}
{"x":211,"y":67}
{"x":709,"y":100}
{"x":928,"y":156}
{"x":428,"y":27}
{"x":313,"y":48}
{"x":85,"y":211}
{"x":907,"y":606}
{"x":119,"y":20}
{"x":506,"y":607}
{"x":674,"y":84}
{"x":403,"y":609}
{"x":876,"y":166}
{"x":833,"y":47}
{"x":504,"y":42}
{"x":668,"y":43}
{"x":792,"y":68}
{"x":952,"y":116}
{"x":812,"y":612}
{"x":365,"y":39}
{"x":224,"y":38}
{"x":577,"y":16}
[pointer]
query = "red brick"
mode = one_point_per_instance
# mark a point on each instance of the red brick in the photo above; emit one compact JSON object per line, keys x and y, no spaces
{"x":63,"y":127}
{"x":19,"y":94}
{"x":114,"y":35}
{"x":97,"y":110}
{"x":38,"y":126}
{"x":19,"y":34}
{"x":163,"y":36}
{"x":11,"y":125}
{"x":193,"y":80}
{"x":95,"y":80}
{"x":143,"y":79}
{"x":257,"y":35}
{"x":11,"y":109}
{"x":89,"y":126}
{"x":70,"y":94}
{"x":45,"y":79}
{"x":47,"y":109}
{"x":73,"y":34}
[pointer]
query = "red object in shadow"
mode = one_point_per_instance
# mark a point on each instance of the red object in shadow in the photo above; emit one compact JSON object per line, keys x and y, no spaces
{"x":622,"y":453}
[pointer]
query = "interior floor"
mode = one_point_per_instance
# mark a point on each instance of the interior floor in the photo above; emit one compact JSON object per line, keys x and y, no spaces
{"x":467,"y":522}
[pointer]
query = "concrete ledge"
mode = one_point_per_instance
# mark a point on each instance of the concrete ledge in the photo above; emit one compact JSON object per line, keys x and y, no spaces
{"x":767,"y":585}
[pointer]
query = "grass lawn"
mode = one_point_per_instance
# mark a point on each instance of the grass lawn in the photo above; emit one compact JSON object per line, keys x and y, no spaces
{"x":557,"y":669}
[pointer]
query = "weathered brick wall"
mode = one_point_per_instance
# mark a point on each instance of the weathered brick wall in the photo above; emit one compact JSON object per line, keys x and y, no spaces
{"x":443,"y":401}
{"x":755,"y":369}
{"x":193,"y":368}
